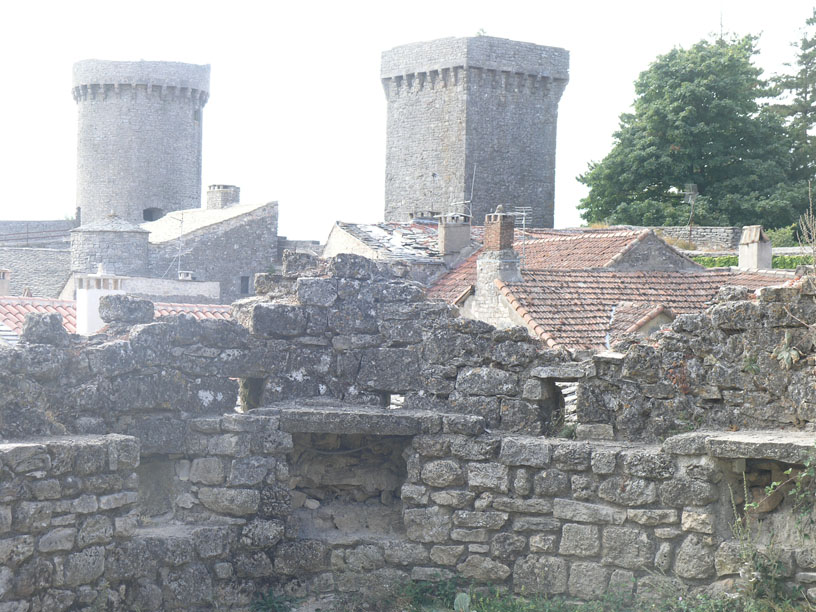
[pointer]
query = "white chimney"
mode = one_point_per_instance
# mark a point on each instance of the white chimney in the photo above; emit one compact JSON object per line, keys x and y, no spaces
{"x":755,"y":249}
{"x":454,"y":233}
{"x":5,"y":280}
{"x":89,"y":288}
{"x":222,"y":196}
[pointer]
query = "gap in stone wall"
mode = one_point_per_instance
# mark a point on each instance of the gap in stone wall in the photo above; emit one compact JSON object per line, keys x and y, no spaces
{"x":345,"y":487}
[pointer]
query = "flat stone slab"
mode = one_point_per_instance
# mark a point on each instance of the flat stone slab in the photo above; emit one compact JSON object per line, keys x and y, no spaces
{"x":353,"y":419}
{"x":786,"y":446}
{"x":564,"y":371}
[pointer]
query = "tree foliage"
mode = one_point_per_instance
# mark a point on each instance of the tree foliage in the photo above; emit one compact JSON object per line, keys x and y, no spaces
{"x":797,"y":104}
{"x":697,"y":118}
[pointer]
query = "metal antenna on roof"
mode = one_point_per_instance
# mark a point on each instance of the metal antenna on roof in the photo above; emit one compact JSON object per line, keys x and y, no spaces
{"x":690,"y":195}
{"x":521,"y":213}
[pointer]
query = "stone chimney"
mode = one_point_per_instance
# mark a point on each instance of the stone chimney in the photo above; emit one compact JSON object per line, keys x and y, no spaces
{"x":498,"y":261}
{"x":454,"y":233}
{"x":89,"y":289}
{"x":5,"y":280}
{"x":755,"y":250}
{"x":222,"y":196}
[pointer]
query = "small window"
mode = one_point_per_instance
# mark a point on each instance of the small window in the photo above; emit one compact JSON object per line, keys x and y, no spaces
{"x":197,"y":115}
{"x":152,"y":214}
{"x":244,"y":285}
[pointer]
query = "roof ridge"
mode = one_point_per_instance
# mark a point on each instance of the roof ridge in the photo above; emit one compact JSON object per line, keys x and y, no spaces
{"x":617,"y":256}
{"x":649,"y":316}
{"x":525,"y":314}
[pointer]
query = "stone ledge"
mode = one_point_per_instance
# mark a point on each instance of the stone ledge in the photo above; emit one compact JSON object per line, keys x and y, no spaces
{"x":352,"y":419}
{"x":785,"y":446}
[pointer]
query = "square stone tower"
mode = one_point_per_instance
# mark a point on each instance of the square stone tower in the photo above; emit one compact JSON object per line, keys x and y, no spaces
{"x":472,"y":116}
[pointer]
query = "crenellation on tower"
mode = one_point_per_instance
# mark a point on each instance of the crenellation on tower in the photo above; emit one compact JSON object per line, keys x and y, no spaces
{"x":471,"y":124}
{"x":139,"y":137}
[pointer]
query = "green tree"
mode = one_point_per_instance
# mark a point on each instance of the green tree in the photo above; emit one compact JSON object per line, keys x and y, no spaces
{"x":798,"y":101}
{"x":697,"y":119}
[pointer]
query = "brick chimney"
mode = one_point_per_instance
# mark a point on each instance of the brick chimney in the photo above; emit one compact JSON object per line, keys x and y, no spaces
{"x":498,"y":261}
{"x":5,"y":279}
{"x":755,"y":249}
{"x":499,"y":230}
{"x":454,"y":233}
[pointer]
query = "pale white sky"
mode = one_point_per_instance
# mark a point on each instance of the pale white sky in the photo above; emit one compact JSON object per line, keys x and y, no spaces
{"x":296,"y":111}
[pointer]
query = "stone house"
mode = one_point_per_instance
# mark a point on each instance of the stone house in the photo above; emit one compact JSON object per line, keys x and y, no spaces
{"x":585,"y":289}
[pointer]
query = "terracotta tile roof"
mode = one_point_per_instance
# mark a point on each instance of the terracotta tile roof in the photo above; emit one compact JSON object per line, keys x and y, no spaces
{"x":548,"y":248}
{"x":13,"y":311}
{"x":574,"y":308}
{"x":199,"y":311}
{"x":628,"y":317}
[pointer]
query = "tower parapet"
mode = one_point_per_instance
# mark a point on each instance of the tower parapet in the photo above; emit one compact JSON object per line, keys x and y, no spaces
{"x":472,"y":124}
{"x":139,"y":137}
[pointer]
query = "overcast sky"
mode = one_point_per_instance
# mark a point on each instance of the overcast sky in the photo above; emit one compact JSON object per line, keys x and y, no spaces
{"x":296,"y":111}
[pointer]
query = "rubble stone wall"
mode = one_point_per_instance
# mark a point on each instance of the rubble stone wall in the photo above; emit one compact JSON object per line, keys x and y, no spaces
{"x":705,"y":237}
{"x":384,"y":439}
{"x":723,"y":369}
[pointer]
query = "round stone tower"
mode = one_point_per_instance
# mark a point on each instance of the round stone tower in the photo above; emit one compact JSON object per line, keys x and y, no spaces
{"x":139,"y":139}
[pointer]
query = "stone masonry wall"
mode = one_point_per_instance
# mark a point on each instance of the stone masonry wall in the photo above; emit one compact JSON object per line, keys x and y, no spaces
{"x":384,"y":439}
{"x":711,"y":238}
{"x":721,"y":369}
{"x":245,"y":246}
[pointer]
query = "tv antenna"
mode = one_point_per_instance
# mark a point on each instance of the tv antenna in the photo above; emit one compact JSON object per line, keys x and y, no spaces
{"x":689,"y":196}
{"x":521,"y":213}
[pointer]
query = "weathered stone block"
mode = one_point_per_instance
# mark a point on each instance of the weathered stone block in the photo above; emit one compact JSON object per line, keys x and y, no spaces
{"x":301,"y":557}
{"x":572,"y":456}
{"x":525,"y":506}
{"x":550,"y":482}
{"x":488,"y":477}
{"x":474,"y":449}
{"x":446,"y":555}
{"x":648,"y":464}
{"x":588,"y":580}
{"x":687,"y":492}
{"x":390,"y":369}
{"x":587,"y":513}
{"x":535,"y":523}
{"x":237,"y":502}
{"x":628,"y":491}
{"x":405,"y":553}
{"x":455,"y":499}
{"x":487,"y":520}
{"x":627,"y":548}
{"x":529,"y":451}
{"x":470,"y":535}
{"x":580,"y":540}
{"x":84,"y":567}
{"x":188,"y":585}
{"x":57,"y":539}
{"x":316,"y":291}
{"x":260,"y":533}
{"x":540,"y":542}
{"x":486,"y":381}
{"x":483,"y":569}
{"x":207,"y":470}
{"x":539,"y":574}
{"x":701,"y":522}
{"x":442,"y":473}
{"x":269,"y":320}
{"x":694,"y":559}
{"x":653,"y":517}
{"x":431,"y":524}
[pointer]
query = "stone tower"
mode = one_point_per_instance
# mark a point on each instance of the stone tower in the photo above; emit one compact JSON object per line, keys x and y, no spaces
{"x":139,"y":139}
{"x":472,"y":114}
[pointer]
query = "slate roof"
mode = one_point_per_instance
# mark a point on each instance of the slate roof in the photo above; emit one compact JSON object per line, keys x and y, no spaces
{"x":575,"y":308}
{"x":13,"y":311}
{"x":183,"y":222}
{"x":416,"y":241}
{"x":563,"y":249}
{"x":43,"y":271}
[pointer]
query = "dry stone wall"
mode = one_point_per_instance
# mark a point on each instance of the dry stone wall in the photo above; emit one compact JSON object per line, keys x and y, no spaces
{"x":382,"y":438}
